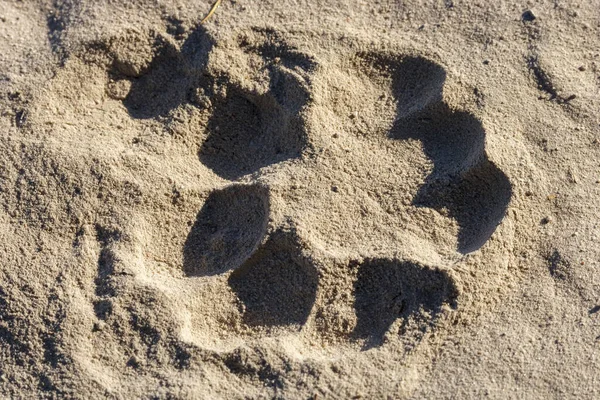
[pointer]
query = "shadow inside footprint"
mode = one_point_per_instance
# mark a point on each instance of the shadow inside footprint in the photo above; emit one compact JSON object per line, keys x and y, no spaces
{"x":477,"y":199}
{"x":416,"y":81}
{"x":277,"y":285}
{"x":453,"y":140}
{"x":474,"y":191}
{"x":167,"y":81}
{"x":286,"y":66}
{"x":248,"y":131}
{"x":228,"y":228}
{"x":386,"y":290}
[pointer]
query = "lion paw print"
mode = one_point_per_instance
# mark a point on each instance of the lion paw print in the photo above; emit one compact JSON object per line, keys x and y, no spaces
{"x":253,"y":127}
{"x":337,"y":161}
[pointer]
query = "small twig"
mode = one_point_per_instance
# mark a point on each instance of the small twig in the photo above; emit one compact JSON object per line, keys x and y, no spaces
{"x":212,"y":11}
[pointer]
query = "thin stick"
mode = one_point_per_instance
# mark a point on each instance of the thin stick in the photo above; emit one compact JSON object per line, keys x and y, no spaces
{"x":212,"y":11}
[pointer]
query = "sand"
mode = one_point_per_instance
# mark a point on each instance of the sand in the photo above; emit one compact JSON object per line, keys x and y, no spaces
{"x":299,"y":199}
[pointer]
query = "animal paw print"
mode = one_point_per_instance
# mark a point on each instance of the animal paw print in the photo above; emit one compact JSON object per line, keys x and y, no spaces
{"x":280,"y":282}
{"x":258,"y":118}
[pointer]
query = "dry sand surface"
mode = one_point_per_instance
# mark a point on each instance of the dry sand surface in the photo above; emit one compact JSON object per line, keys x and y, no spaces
{"x":299,"y":199}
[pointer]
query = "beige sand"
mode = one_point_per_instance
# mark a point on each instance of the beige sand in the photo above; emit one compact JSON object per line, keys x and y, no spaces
{"x":299,"y":199}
